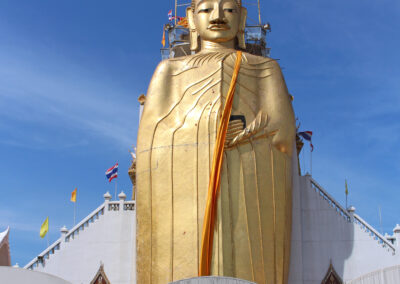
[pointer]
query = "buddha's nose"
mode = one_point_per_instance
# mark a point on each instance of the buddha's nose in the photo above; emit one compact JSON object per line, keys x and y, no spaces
{"x":217,"y":15}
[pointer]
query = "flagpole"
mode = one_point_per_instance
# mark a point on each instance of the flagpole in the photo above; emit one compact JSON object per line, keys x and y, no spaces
{"x":380,"y":219}
{"x":74,"y":213}
{"x":115,"y":195}
{"x":346,"y":191}
{"x":311,"y":161}
{"x":304,"y":161}
{"x":47,"y":238}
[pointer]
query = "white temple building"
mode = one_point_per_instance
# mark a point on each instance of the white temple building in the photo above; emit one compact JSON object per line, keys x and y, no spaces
{"x":5,"y":259}
{"x":329,"y":243}
{"x":99,"y":249}
{"x":328,"y":240}
{"x":16,"y":275}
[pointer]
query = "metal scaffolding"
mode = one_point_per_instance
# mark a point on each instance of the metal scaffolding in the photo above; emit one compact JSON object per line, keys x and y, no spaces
{"x":177,"y":36}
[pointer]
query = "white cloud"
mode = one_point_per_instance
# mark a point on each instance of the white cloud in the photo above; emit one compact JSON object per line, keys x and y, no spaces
{"x":8,"y":218}
{"x":68,"y":97}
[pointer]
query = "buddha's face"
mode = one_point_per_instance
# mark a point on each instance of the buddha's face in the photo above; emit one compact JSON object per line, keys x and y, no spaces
{"x":217,"y":20}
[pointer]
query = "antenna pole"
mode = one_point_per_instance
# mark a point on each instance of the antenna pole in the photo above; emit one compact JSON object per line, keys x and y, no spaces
{"x":380,"y":219}
{"x":176,"y":10}
{"x":259,"y":13}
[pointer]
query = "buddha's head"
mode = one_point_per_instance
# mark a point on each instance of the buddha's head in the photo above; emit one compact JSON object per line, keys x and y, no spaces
{"x":219,"y":21}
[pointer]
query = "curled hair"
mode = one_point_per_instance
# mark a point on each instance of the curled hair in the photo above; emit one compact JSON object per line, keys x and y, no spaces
{"x":239,"y":3}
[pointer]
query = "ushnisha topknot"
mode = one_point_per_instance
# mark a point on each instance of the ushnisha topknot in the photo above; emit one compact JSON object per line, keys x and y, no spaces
{"x":239,"y":2}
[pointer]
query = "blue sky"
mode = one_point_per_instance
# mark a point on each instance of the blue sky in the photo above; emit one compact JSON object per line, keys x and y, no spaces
{"x":71,"y":72}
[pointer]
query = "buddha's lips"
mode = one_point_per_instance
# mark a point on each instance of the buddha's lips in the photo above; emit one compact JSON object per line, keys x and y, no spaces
{"x":218,"y":27}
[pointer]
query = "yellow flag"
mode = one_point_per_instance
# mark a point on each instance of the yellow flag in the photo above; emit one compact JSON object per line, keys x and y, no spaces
{"x":73,"y":195}
{"x":44,"y":228}
{"x":347,"y":190}
{"x":163,"y":37}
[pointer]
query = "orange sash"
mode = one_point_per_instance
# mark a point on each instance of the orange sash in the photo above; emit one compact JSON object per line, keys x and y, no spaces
{"x":215,"y":177}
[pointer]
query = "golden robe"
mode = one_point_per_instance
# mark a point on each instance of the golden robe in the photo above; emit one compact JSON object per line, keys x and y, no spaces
{"x":174,"y":153}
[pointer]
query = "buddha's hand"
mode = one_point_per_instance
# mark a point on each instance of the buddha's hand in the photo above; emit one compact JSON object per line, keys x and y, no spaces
{"x":282,"y":137}
{"x":258,"y":125}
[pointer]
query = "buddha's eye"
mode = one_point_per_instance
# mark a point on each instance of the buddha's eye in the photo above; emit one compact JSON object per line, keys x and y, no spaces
{"x":205,"y":10}
{"x":230,"y":10}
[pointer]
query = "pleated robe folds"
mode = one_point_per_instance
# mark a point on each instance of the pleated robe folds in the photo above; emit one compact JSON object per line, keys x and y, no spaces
{"x":175,"y":146}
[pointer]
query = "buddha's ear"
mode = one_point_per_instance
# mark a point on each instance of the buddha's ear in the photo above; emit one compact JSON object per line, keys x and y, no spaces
{"x":242,"y":25}
{"x":194,"y":36}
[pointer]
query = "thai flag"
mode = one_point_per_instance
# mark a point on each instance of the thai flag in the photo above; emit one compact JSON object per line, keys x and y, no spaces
{"x":307,"y":135}
{"x":112,"y":172}
{"x":170,"y":17}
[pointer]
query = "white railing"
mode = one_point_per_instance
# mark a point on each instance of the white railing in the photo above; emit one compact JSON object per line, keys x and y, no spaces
{"x":111,"y":206}
{"x":85,"y":222}
{"x":357,"y":219}
{"x":374,"y":233}
{"x":390,"y":274}
{"x":332,"y":202}
{"x":44,"y":255}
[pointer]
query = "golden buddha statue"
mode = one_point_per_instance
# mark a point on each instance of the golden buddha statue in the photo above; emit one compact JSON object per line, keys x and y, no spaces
{"x":176,"y":140}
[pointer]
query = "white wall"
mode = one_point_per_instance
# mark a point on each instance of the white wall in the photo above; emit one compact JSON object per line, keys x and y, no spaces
{"x":390,"y":275}
{"x":109,"y":239}
{"x":321,"y":233}
{"x":328,"y":236}
{"x":296,"y":250}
